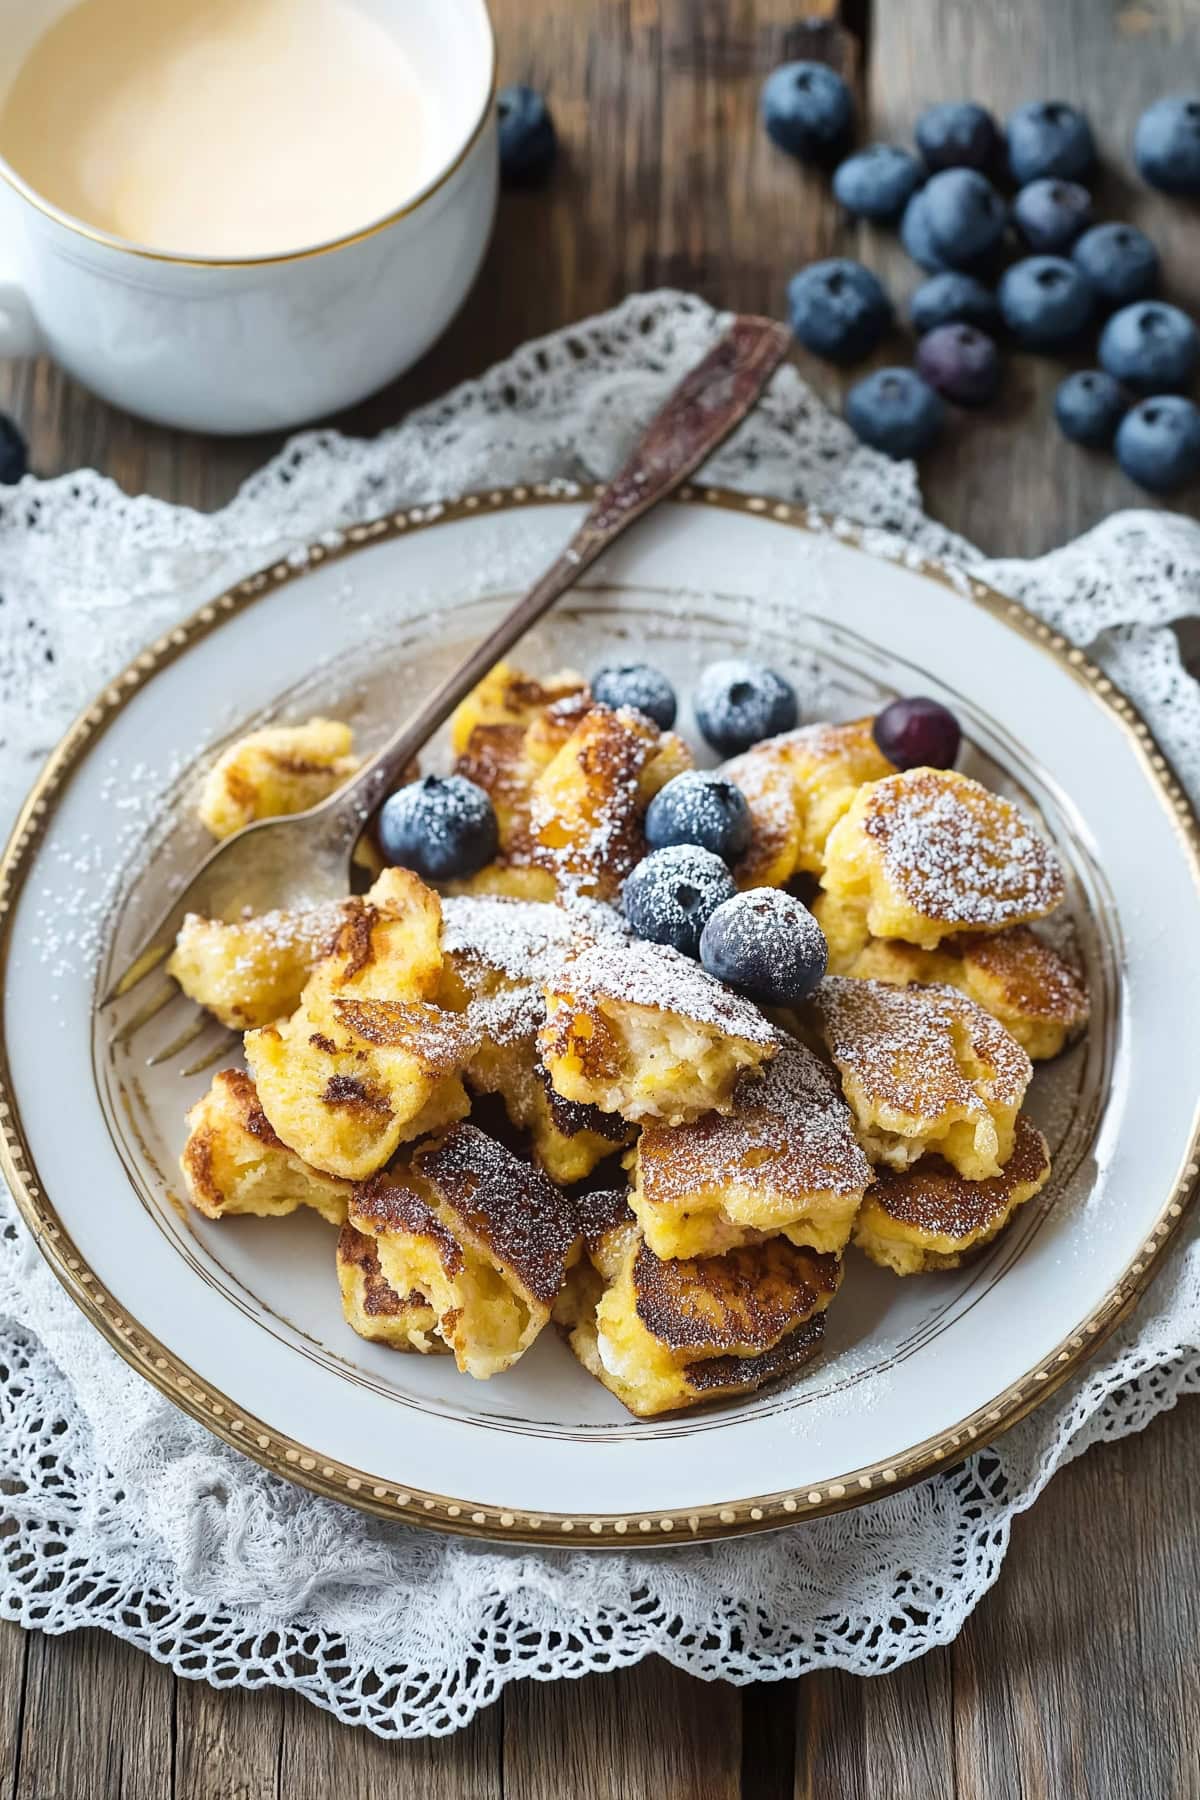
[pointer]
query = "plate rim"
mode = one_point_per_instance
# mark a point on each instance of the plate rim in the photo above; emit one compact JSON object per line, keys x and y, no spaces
{"x":296,"y":1462}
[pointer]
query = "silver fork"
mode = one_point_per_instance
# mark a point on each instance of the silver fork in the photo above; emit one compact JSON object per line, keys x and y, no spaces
{"x":303,"y":859}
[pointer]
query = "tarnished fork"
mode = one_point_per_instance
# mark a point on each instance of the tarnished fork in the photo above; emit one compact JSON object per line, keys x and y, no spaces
{"x":303,"y":859}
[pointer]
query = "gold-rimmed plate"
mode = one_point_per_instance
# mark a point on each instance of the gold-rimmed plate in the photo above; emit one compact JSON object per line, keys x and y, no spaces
{"x":239,"y":1321}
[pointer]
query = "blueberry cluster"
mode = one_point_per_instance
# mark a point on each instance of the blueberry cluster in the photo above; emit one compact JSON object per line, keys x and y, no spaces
{"x":1035,"y":267}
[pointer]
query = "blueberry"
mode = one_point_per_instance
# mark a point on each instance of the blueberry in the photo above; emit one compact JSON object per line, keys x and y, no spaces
{"x":637,"y":685}
{"x":917,"y":236}
{"x":528,"y":140}
{"x":1046,"y":301}
{"x":738,"y":703}
{"x":767,"y":944}
{"x":953,"y":299}
{"x":703,"y":808}
{"x":14,"y":453}
{"x":961,"y":363}
{"x":965,"y":215}
{"x":1051,"y":214}
{"x":1120,"y":262}
{"x":896,"y":411}
{"x":1166,"y":144}
{"x":1152,"y":347}
{"x":957,"y":134}
{"x":671,"y":895}
{"x":1048,"y":137}
{"x":441,"y":826}
{"x":1158,"y":443}
{"x":918,"y":733}
{"x":807,"y":110}
{"x":838,"y":309}
{"x":1088,"y":407}
{"x":878,"y":182}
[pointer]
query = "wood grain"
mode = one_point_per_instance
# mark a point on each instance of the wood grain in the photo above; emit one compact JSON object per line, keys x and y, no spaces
{"x":1078,"y":1675}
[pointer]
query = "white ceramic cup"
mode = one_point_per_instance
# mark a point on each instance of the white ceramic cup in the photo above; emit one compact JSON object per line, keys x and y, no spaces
{"x":260,"y":343}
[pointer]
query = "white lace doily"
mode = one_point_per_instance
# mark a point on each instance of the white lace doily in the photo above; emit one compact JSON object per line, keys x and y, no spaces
{"x":126,"y":1514}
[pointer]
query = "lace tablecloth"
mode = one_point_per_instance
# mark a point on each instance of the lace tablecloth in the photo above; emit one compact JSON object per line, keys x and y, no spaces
{"x":125,"y":1514}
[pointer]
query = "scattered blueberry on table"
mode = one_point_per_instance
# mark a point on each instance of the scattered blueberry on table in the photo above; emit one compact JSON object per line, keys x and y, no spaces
{"x":672,"y":893}
{"x":896,"y":411}
{"x":1166,"y":144}
{"x":916,"y":234}
{"x":1046,"y":302}
{"x":639,"y":686}
{"x":1158,"y":443}
{"x":839,"y":310}
{"x":917,"y":733}
{"x":877,"y":183}
{"x":14,"y":452}
{"x":807,"y":110}
{"x":766,"y":944}
{"x":961,"y":362}
{"x":739,"y":703}
{"x":1089,"y":405}
{"x":957,"y":134}
{"x":1050,"y":214}
{"x":953,"y":298}
{"x":700,"y":807}
{"x":965,"y":216}
{"x":1152,"y":347}
{"x":528,"y":140}
{"x":1049,"y":138}
{"x":1120,"y":262}
{"x":441,"y":826}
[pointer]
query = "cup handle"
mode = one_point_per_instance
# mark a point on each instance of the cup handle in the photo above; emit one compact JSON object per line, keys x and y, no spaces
{"x":19,"y":335}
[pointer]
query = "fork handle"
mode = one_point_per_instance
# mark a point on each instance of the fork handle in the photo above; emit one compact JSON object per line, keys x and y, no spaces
{"x":711,"y":400}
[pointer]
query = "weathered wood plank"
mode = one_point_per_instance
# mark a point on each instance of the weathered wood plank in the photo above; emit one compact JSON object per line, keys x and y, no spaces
{"x":14,"y":1656}
{"x":97,"y":1722}
{"x":228,"y":1742}
{"x":319,"y":1756}
{"x":891,"y":1735}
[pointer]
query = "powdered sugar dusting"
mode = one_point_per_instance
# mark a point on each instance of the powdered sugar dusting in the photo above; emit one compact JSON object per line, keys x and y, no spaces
{"x":659,"y":978}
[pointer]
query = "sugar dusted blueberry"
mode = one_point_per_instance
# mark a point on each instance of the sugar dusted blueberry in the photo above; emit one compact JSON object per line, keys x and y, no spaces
{"x":738,"y":703}
{"x":961,"y":362}
{"x":1049,"y":138}
{"x":1166,"y":144}
{"x":700,"y":807}
{"x":442,"y":826}
{"x":957,"y":134}
{"x":766,"y":944}
{"x":1046,"y":302}
{"x":878,"y":182}
{"x":1089,"y":405}
{"x":896,"y":411}
{"x":808,"y":111}
{"x":1151,"y":347}
{"x":672,"y":893}
{"x":528,"y":141}
{"x":838,"y":309}
{"x":1120,"y":262}
{"x":918,"y":733}
{"x":1158,"y":443}
{"x":639,"y":686}
{"x":953,"y":298}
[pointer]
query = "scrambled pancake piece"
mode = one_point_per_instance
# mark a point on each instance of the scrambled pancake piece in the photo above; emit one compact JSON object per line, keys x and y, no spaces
{"x":234,"y":1163}
{"x":507,"y":696}
{"x":280,"y":769}
{"x":929,"y":1217}
{"x":784,"y":1160}
{"x":664,"y":1335}
{"x":486,"y":1239}
{"x":251,"y":971}
{"x":1035,"y":992}
{"x":372,"y":1306}
{"x":637,"y":1029}
{"x":799,"y":785}
{"x":929,"y":852}
{"x":366,"y":1061}
{"x":924,"y":1069}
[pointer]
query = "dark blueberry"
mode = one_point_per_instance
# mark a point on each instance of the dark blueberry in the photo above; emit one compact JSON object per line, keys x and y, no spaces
{"x":442,"y":826}
{"x":637,"y":685}
{"x":739,"y":703}
{"x":1050,"y":214}
{"x":918,"y":733}
{"x":838,"y":309}
{"x":671,"y":895}
{"x":896,"y":411}
{"x":528,"y":141}
{"x":965,"y":215}
{"x":961,"y":363}
{"x":14,"y":453}
{"x":1048,"y":137}
{"x":1151,"y":347}
{"x":878,"y":182}
{"x":953,"y":299}
{"x":1046,"y":301}
{"x":703,"y":808}
{"x":1166,"y":144}
{"x":1158,"y":443}
{"x":958,"y":134}
{"x":917,"y":236}
{"x":1120,"y":262}
{"x":1089,"y":406}
{"x":807,"y":110}
{"x":766,"y":944}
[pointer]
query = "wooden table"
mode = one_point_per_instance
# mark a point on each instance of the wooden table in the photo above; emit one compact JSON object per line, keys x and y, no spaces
{"x":1078,"y":1675}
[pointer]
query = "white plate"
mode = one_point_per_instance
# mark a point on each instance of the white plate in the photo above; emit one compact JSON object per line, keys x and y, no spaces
{"x":240,"y":1322}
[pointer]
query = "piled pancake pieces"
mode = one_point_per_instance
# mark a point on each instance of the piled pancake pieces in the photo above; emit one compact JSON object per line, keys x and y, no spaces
{"x":514,"y":1112}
